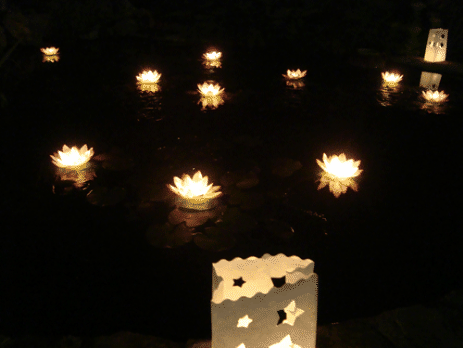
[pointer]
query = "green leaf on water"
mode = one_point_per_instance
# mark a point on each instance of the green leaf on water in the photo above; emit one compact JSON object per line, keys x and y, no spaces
{"x":285,"y":167}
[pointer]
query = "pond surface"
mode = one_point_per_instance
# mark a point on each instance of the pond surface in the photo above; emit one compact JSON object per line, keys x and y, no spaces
{"x":113,"y":254}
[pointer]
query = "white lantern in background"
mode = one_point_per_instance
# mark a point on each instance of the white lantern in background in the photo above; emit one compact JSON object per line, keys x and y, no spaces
{"x":436,"y":47}
{"x":266,"y":302}
{"x":430,"y":80}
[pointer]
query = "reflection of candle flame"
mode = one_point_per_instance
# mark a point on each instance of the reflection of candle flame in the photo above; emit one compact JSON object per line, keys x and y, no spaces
{"x":337,"y":185}
{"x":296,"y":84}
{"x":148,"y":87}
{"x":79,"y":175}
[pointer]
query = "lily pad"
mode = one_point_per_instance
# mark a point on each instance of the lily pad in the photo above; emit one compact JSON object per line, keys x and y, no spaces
{"x":216,"y":244}
{"x":249,"y":180}
{"x":102,"y":196}
{"x":279,"y":228}
{"x":158,"y":235}
{"x":285,"y":167}
{"x":180,"y":236}
{"x":191,"y":218}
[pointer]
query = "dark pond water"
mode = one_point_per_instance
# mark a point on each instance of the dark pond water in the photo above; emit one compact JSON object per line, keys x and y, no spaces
{"x":73,"y":266}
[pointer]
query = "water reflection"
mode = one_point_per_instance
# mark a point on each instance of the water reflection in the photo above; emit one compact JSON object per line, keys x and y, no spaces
{"x":80,"y":176}
{"x":389,"y":94}
{"x":295,"y":84}
{"x":211,"y":95}
{"x":434,"y":101}
{"x":148,"y":87}
{"x":430,"y":80}
{"x":50,"y":59}
{"x":50,"y":54}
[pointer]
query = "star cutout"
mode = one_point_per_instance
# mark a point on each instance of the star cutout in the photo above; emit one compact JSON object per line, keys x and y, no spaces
{"x":238,"y":282}
{"x":244,"y":321}
{"x":241,"y":346}
{"x":292,"y":313}
{"x":285,"y":343}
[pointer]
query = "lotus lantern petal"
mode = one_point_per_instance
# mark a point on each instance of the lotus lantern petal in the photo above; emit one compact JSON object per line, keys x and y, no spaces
{"x":295,"y":74}
{"x":196,"y":187}
{"x":50,"y":51}
{"x":212,"y":55}
{"x":149,"y":76}
{"x":391,"y":77}
{"x":435,"y":97}
{"x":209,"y":89}
{"x":72,"y":157}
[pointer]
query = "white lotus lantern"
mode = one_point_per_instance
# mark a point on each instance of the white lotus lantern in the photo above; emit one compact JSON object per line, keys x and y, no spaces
{"x":195,"y":193}
{"x":72,"y":157}
{"x":435,"y":96}
{"x":295,"y":74}
{"x":436,"y":48}
{"x":391,"y":79}
{"x":212,"y":59}
{"x":50,"y":54}
{"x":149,"y":76}
{"x":50,"y":51}
{"x":264,"y":302}
{"x":211,"y":95}
{"x":338,"y":173}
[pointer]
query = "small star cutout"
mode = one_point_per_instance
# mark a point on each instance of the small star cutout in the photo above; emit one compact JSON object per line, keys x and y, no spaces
{"x":285,"y":343}
{"x":292,"y":313}
{"x":241,"y":346}
{"x":238,"y":282}
{"x":244,"y":321}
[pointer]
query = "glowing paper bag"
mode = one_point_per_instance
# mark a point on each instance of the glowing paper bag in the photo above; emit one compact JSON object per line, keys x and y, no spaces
{"x":436,"y":48}
{"x":264,"y":302}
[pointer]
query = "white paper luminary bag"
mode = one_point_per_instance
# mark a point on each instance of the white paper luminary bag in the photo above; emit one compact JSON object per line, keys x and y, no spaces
{"x":264,"y":302}
{"x":436,"y":47}
{"x":430,"y":80}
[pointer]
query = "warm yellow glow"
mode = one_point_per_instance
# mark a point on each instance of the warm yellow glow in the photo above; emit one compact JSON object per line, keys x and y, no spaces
{"x":337,"y":185}
{"x":148,"y":87}
{"x":391,"y":78}
{"x":50,"y":59}
{"x":435,"y":97}
{"x":212,"y":55}
{"x":340,"y":166}
{"x":285,"y":343}
{"x":72,"y":157}
{"x":295,"y":74}
{"x":296,"y":84}
{"x":149,"y":76}
{"x":50,"y":51}
{"x":209,"y":89}
{"x":244,"y":321}
{"x":195,"y":187}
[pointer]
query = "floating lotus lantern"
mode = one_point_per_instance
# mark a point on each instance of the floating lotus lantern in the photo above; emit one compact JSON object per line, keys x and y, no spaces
{"x":72,"y":157}
{"x":264,"y":302}
{"x":50,"y":51}
{"x":391,"y":79}
{"x":50,"y":54}
{"x":149,"y":76}
{"x":212,"y":59}
{"x":195,"y":193}
{"x":435,"y":96}
{"x":338,"y":173}
{"x":295,"y":74}
{"x":72,"y":164}
{"x":211,"y":95}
